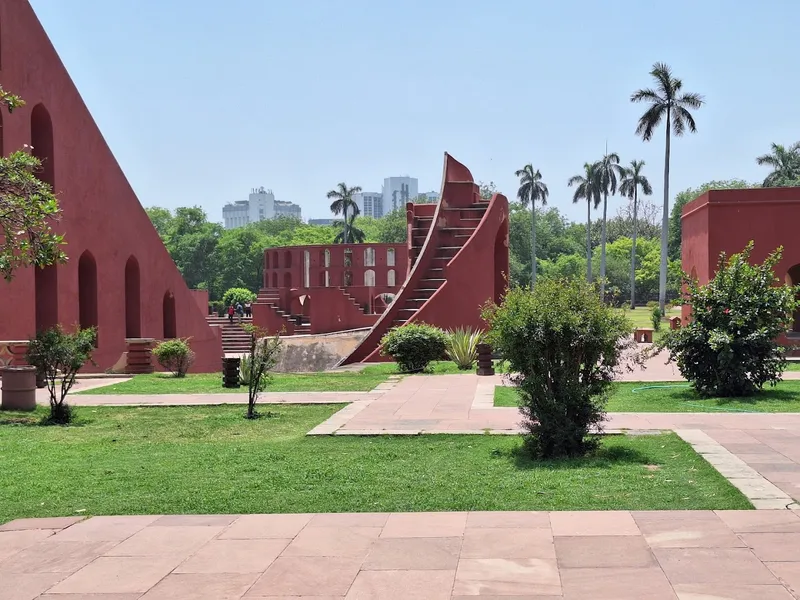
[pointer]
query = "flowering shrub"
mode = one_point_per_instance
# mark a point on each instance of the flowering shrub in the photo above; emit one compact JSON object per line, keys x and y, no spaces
{"x":730,"y":347}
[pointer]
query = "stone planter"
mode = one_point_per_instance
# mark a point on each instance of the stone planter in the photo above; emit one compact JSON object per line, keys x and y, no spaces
{"x":19,"y":388}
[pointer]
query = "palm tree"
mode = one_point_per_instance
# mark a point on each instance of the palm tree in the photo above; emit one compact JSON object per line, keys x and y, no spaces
{"x":587,"y":189}
{"x":670,"y":101}
{"x":353,"y":233}
{"x":607,"y":170}
{"x":632,"y":180}
{"x":785,"y":163}
{"x":531,"y":189}
{"x":343,"y":203}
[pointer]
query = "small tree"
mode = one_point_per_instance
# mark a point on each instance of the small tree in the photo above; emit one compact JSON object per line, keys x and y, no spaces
{"x":729,"y":348}
{"x":175,"y":356}
{"x":59,"y":356}
{"x":264,"y":354}
{"x":414,"y":346}
{"x":234,"y":296}
{"x":27,"y":209}
{"x":563,"y":345}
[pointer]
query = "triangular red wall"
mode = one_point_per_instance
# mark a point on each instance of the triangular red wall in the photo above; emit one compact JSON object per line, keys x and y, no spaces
{"x":101,"y":214}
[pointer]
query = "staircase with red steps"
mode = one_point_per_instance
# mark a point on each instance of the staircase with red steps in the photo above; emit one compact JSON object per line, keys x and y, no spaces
{"x":235,"y":340}
{"x":458,"y":257}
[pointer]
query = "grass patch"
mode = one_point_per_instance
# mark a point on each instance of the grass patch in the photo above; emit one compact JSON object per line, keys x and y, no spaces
{"x":784,"y":397}
{"x":211,"y":383}
{"x":166,"y":460}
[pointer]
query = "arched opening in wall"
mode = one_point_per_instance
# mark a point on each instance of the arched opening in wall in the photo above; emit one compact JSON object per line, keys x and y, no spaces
{"x":348,"y":257}
{"x":266,"y":260}
{"x":275,"y":260}
{"x":793,"y":278}
{"x":327,"y":258}
{"x":287,"y":280}
{"x":369,"y":278}
{"x":42,"y":142}
{"x":168,"y":310}
{"x":347,"y":279}
{"x":133,"y":319}
{"x":87,"y":291}
{"x":369,"y":257}
{"x":501,"y":262}
{"x":46,"y":297}
{"x":275,"y":280}
{"x":306,"y":269}
{"x":287,"y":260}
{"x":390,"y":257}
{"x":390,"y":278}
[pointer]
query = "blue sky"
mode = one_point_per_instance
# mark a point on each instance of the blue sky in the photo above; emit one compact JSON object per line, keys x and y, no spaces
{"x":201,"y":101}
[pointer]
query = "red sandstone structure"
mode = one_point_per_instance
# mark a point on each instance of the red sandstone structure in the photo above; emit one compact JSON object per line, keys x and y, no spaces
{"x":119,"y":276}
{"x":454,"y":262}
{"x":727,"y":220}
{"x":322,"y":289}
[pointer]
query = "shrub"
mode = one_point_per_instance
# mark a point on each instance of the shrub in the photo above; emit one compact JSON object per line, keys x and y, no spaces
{"x":414,"y":346}
{"x":651,"y":303}
{"x":563,"y":345}
{"x":655,"y":317}
{"x":729,"y":347}
{"x":462,"y":347}
{"x":264,"y":354}
{"x":175,"y":356}
{"x":234,"y":296}
{"x":59,"y":356}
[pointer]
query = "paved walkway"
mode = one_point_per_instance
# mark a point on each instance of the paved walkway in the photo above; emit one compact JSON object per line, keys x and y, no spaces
{"x":702,"y":555}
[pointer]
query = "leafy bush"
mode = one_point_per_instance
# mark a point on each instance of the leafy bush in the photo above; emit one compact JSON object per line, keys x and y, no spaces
{"x":729,"y":348}
{"x":462,"y":347}
{"x":563,"y":345}
{"x":175,"y":356}
{"x":264,"y":354}
{"x":414,"y":345}
{"x":234,"y":296}
{"x":655,"y":317}
{"x":59,"y":356}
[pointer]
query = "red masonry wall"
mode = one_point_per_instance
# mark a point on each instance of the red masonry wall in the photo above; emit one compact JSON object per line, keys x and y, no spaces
{"x":119,"y":275}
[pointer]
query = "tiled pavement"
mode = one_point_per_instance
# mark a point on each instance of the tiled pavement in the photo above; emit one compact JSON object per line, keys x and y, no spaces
{"x":703,"y":555}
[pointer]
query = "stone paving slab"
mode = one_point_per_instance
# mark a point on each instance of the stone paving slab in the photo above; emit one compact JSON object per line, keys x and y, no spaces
{"x":677,"y":555}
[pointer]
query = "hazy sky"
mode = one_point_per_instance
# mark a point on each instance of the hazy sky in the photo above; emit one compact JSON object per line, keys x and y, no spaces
{"x":201,"y":101}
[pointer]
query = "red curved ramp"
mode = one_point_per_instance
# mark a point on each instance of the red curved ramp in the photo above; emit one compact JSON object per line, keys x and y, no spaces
{"x":458,"y":260}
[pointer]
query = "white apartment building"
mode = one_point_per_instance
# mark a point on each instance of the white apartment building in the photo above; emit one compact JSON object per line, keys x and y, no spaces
{"x":430,"y":197}
{"x":259,"y":206}
{"x":370,"y":204}
{"x":399,"y":190}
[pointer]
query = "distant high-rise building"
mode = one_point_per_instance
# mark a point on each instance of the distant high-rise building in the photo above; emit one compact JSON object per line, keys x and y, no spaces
{"x":261,"y":205}
{"x":370,"y":204}
{"x":430,"y":197}
{"x":397,"y":191}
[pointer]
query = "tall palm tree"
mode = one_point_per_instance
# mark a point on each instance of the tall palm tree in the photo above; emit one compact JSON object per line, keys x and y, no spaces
{"x":353,"y":233}
{"x":608,"y":168}
{"x":632,"y":180}
{"x":587,"y":189}
{"x":343,"y":204}
{"x":531,"y":189}
{"x":785,"y":163}
{"x":668,"y":102}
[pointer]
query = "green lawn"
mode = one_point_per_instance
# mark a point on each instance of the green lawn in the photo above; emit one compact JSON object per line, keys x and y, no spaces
{"x":163,"y":460}
{"x":648,"y":397}
{"x":211,"y":383}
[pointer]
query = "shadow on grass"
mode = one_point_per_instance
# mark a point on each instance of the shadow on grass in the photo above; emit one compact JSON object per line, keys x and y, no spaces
{"x":602,"y":457}
{"x":767,"y":394}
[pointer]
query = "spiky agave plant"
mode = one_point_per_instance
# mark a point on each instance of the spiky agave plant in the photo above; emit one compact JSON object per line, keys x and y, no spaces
{"x":462,"y":347}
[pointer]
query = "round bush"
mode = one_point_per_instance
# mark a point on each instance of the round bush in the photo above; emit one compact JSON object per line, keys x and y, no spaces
{"x":414,"y":346}
{"x":175,"y":356}
{"x":234,"y":296}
